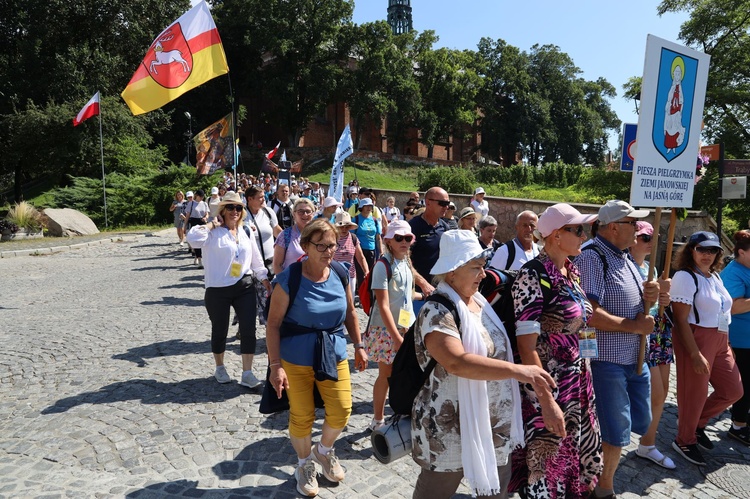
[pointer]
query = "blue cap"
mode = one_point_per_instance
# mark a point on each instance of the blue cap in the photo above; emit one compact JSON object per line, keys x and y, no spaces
{"x":705,"y":239}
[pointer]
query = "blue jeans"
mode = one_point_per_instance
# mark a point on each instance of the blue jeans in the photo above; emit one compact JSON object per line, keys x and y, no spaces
{"x":623,"y":400}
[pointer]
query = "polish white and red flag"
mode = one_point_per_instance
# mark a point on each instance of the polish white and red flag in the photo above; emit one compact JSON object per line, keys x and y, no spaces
{"x":273,"y":151}
{"x":90,"y":109}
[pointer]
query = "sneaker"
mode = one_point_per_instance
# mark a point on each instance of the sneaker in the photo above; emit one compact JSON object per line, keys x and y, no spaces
{"x":743,"y":434}
{"x":221,"y":375}
{"x":200,"y":263}
{"x":249,"y":380}
{"x":703,"y":439}
{"x":690,"y":452}
{"x":182,"y":244}
{"x":653,"y":454}
{"x":195,"y":261}
{"x":375,"y":424}
{"x":332,"y":470}
{"x":307,"y":483}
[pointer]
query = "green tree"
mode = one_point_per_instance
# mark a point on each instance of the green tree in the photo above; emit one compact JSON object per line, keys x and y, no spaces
{"x":721,"y":28}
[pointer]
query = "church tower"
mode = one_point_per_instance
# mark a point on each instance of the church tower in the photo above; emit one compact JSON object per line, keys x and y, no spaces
{"x":399,"y":16}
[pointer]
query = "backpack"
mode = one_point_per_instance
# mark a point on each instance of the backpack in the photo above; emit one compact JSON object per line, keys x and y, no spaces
{"x":695,"y":310}
{"x":596,"y":249}
{"x":284,"y":213}
{"x":407,"y":378}
{"x":365,"y":292}
{"x":295,"y":277}
{"x":511,"y":253}
{"x":496,"y":288}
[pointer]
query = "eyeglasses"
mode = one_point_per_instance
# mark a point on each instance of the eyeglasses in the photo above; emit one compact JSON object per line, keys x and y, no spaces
{"x":304,"y":212}
{"x":578,"y":231}
{"x":322,"y":248}
{"x":632,"y":222}
{"x":234,"y":207}
{"x":442,"y":202}
{"x":645,"y":238}
{"x":398,"y":238}
{"x":712,"y":250}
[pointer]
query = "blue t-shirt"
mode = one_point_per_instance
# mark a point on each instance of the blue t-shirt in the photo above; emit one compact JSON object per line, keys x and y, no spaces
{"x":367,"y":229}
{"x":736,"y":279}
{"x":319,"y":305}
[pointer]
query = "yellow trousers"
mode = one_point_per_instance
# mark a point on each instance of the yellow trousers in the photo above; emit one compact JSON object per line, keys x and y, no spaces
{"x":337,"y":397}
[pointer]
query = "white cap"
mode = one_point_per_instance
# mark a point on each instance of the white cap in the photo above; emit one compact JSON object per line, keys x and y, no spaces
{"x":189,"y":194}
{"x":214,"y":190}
{"x":615,"y":210}
{"x":478,"y":190}
{"x":331,"y":201}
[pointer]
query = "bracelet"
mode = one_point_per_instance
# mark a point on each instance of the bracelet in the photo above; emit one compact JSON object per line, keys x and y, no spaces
{"x":275,"y":363}
{"x":359,"y":345}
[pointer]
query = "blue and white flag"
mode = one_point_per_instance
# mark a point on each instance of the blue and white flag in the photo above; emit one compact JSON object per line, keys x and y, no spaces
{"x":344,"y":149}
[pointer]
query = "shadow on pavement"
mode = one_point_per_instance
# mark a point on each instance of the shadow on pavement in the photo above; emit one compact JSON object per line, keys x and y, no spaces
{"x":187,"y":488}
{"x":174,"y":300}
{"x":183,"y":285}
{"x":149,"y":391}
{"x":138,"y":355}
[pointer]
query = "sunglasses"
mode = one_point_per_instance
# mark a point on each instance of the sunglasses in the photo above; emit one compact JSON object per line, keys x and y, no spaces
{"x":578,"y":231}
{"x":399,"y":238}
{"x":713,"y":250}
{"x":304,"y":212}
{"x":322,"y":248}
{"x":234,"y":207}
{"x":645,"y":238}
{"x":442,"y":202}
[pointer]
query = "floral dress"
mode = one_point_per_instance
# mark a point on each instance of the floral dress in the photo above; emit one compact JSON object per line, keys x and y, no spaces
{"x":660,"y":349}
{"x":550,"y":466}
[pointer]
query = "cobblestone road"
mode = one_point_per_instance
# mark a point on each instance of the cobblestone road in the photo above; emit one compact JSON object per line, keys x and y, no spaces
{"x":106,"y":390}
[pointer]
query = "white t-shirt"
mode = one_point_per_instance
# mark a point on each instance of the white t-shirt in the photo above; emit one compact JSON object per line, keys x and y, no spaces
{"x":711,"y":300}
{"x":500,"y":259}
{"x":482,"y":208}
{"x":265,"y":220}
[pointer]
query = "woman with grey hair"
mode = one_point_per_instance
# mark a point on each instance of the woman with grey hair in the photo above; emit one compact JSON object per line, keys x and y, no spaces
{"x":487,"y":230}
{"x":466,"y":419}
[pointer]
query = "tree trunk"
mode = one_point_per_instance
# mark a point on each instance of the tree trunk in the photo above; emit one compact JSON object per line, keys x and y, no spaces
{"x":17,"y":184}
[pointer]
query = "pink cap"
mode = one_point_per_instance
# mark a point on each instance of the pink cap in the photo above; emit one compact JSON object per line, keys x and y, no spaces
{"x":398,"y":227}
{"x":560,"y":215}
{"x":642,"y":227}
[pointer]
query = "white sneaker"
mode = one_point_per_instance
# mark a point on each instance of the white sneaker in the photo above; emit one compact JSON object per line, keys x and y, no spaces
{"x":200,"y":263}
{"x":182,"y":244}
{"x":307,"y":483}
{"x":332,"y":470}
{"x":375,"y":424}
{"x":249,"y":380}
{"x":221,"y":375}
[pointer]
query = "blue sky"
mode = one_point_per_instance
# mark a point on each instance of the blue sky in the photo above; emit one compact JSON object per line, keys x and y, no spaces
{"x":604,"y":38}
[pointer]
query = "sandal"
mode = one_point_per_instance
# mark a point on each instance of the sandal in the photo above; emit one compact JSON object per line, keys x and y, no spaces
{"x":653,"y":454}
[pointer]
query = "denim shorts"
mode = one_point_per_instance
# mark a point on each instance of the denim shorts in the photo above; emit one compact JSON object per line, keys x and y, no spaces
{"x":623,"y":401}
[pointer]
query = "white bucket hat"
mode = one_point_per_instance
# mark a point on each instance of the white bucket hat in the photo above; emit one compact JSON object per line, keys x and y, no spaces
{"x":457,"y":247}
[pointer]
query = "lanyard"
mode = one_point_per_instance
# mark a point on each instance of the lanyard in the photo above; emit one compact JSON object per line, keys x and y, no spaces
{"x":580,"y":301}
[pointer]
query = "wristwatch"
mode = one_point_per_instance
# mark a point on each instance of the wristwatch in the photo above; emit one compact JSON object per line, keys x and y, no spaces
{"x":359,"y":345}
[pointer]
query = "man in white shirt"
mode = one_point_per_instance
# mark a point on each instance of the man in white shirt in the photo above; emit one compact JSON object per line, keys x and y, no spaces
{"x":522,"y":248}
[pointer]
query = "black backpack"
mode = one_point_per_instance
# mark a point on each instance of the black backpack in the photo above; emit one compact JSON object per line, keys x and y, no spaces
{"x":407,"y":378}
{"x":499,"y":283}
{"x":511,"y":253}
{"x":283,"y":213}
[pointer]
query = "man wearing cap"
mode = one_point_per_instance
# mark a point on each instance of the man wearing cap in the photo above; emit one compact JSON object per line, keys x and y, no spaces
{"x":617,"y":292}
{"x":427,"y":228}
{"x":522,"y":248}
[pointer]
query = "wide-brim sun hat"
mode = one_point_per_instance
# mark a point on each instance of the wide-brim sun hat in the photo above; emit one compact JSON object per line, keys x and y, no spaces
{"x":467,"y":212}
{"x":398,"y":228}
{"x":705,"y":240}
{"x":231,"y":197}
{"x":479,"y":190}
{"x":343,"y":219}
{"x":457,"y":247}
{"x":331,"y":201}
{"x":615,"y":210}
{"x":558,"y":216}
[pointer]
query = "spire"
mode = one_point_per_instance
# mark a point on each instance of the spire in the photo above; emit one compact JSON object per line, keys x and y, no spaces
{"x":399,"y":16}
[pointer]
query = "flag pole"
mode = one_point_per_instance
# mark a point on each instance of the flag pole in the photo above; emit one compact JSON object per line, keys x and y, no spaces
{"x":104,"y":180}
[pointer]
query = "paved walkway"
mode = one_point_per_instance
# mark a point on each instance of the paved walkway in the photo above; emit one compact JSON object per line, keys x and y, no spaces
{"x":106,"y":391}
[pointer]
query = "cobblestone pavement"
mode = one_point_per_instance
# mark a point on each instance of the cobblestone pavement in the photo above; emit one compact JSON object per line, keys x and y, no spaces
{"x":106,"y":390}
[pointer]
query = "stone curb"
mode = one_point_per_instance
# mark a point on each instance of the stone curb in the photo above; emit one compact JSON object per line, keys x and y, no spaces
{"x":69,"y":247}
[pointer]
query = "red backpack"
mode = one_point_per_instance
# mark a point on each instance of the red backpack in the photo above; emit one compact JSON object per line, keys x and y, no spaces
{"x":366,"y":295}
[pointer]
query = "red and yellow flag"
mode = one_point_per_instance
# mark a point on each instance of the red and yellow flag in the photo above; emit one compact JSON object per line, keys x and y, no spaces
{"x":185,"y":55}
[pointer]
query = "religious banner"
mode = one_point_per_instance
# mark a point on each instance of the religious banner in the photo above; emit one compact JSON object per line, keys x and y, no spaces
{"x":344,"y":149}
{"x":215,"y":146}
{"x":669,"y":125}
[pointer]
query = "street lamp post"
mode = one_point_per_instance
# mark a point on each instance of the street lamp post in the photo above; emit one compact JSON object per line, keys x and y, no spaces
{"x":189,"y":135}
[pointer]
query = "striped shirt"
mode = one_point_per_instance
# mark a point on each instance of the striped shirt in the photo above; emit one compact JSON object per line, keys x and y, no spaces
{"x":620,"y":293}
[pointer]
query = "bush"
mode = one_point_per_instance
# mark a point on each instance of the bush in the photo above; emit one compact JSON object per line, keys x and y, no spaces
{"x":457,"y":180}
{"x":25,"y":216}
{"x":604,"y":184}
{"x":551,"y":175}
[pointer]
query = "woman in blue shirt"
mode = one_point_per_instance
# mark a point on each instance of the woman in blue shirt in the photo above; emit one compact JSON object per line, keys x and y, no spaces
{"x":736,"y":277}
{"x":298,"y":335}
{"x":368,"y":232}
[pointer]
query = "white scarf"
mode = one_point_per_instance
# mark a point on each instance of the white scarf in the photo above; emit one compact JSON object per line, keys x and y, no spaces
{"x":477,"y":447}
